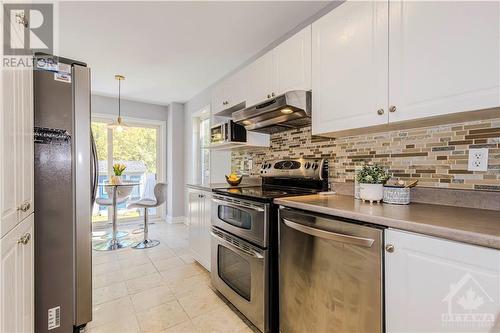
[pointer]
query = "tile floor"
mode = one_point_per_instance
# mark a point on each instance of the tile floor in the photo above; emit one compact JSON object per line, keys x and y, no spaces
{"x":159,"y":290}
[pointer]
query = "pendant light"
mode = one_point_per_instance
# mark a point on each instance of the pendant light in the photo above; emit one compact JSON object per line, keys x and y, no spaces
{"x":118,"y":125}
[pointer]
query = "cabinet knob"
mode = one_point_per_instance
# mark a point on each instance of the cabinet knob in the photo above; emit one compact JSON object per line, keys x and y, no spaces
{"x":389,"y":248}
{"x":268,"y":95}
{"x":272,"y":95}
{"x":380,"y":112}
{"x":392,"y":108}
{"x":24,"y":239}
{"x":25,"y":206}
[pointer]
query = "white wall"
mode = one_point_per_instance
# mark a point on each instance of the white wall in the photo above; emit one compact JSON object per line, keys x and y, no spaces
{"x":175,"y":162}
{"x":109,"y":105}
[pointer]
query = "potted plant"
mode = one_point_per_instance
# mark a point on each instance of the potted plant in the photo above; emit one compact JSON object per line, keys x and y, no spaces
{"x":371,"y":180}
{"x":118,"y":169}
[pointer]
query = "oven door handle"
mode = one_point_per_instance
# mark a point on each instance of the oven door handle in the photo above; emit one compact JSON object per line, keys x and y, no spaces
{"x":245,"y":208}
{"x":360,"y":241}
{"x":251,"y":253}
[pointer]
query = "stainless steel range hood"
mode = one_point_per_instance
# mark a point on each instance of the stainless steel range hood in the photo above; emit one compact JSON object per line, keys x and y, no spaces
{"x":284,"y":112}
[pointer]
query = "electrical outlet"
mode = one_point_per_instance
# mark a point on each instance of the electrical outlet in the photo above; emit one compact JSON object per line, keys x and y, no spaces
{"x":250,"y":165}
{"x":478,"y":159}
{"x":242,"y":165}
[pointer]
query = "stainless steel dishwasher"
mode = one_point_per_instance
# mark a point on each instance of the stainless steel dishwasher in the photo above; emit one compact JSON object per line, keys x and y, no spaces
{"x":330,"y":274}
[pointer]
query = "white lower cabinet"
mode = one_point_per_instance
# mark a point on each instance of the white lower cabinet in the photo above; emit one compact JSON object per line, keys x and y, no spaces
{"x":436,"y":285}
{"x":17,"y":279}
{"x":199,"y":217}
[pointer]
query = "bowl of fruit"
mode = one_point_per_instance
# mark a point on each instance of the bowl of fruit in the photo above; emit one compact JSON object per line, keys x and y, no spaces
{"x":233,"y":179}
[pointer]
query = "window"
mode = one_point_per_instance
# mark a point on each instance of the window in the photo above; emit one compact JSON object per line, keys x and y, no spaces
{"x":201,"y":142}
{"x":138,"y":148}
{"x":204,"y":151}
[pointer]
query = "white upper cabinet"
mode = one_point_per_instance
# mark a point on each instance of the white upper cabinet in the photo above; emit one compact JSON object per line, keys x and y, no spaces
{"x":229,"y":92}
{"x":286,"y":67}
{"x":349,"y":67}
{"x":26,"y":121}
{"x":259,"y":77}
{"x":444,"y":57}
{"x":9,"y":162}
{"x":292,"y":63}
{"x":16,"y":148}
{"x":436,"y":285}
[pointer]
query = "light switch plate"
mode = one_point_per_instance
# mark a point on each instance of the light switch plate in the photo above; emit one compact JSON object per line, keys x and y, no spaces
{"x":478,"y":159}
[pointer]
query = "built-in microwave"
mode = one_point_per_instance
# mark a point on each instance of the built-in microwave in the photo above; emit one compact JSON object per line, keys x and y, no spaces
{"x":227,"y":132}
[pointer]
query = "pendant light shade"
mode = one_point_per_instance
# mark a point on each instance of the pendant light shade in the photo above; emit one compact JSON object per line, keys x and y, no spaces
{"x":118,"y":125}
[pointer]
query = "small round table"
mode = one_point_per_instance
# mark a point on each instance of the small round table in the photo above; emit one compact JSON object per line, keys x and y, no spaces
{"x":115,"y":243}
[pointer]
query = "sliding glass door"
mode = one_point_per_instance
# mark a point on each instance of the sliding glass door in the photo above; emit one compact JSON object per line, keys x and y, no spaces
{"x":138,"y":148}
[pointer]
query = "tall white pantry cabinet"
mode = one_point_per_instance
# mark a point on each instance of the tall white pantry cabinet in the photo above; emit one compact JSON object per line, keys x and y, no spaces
{"x":16,"y":199}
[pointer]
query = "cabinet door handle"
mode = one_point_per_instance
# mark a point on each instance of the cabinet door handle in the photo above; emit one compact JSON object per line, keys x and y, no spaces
{"x":380,"y":112}
{"x":392,"y":108}
{"x":25,"y":239}
{"x":389,"y":248}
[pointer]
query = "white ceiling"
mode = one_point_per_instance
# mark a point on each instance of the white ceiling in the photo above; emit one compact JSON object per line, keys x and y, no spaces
{"x":170,"y":51}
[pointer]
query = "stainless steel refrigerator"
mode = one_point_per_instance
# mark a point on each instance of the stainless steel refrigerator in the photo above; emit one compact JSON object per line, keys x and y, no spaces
{"x":65,"y":182}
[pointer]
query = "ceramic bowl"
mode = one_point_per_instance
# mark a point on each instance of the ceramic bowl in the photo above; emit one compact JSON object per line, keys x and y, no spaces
{"x":234,"y":182}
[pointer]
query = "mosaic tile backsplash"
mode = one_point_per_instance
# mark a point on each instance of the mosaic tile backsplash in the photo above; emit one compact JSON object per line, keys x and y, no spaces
{"x":436,"y":156}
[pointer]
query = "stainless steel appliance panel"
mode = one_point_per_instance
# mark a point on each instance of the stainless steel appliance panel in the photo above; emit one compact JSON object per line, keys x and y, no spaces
{"x":63,"y":272}
{"x":330,"y":274}
{"x":246,"y":219}
{"x":54,"y":227}
{"x":82,"y":166}
{"x":240,"y":273}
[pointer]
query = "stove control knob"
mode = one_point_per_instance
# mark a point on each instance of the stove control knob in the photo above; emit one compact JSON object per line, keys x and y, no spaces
{"x":315,"y":166}
{"x":307,"y":165}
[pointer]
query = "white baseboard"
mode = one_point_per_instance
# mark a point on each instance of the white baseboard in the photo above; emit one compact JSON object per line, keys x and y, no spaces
{"x":177,"y":219}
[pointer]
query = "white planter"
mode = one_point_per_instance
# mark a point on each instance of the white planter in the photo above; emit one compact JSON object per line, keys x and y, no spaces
{"x":371,"y":192}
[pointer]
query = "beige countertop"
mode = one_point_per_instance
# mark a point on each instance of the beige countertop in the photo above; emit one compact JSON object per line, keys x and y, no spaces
{"x":468,"y":225}
{"x":210,"y":187}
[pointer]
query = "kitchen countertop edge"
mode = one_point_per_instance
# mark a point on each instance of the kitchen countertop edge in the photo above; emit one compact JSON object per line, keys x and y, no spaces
{"x":450,"y":233}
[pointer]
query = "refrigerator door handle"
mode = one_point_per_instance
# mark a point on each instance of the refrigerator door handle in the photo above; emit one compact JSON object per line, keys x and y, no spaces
{"x":95,"y":168}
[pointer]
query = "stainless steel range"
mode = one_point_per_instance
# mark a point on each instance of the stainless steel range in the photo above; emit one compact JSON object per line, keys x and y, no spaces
{"x":245,"y":236}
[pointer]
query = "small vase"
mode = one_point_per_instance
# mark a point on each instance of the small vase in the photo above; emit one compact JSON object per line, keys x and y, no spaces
{"x":371,"y":192}
{"x":116,"y":180}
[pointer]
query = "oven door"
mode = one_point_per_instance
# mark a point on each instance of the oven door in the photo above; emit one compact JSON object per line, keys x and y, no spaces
{"x":239,"y":272}
{"x":246,"y":219}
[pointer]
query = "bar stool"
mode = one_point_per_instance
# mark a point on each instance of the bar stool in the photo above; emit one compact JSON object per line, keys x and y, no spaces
{"x":160,"y":192}
{"x":109,"y":202}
